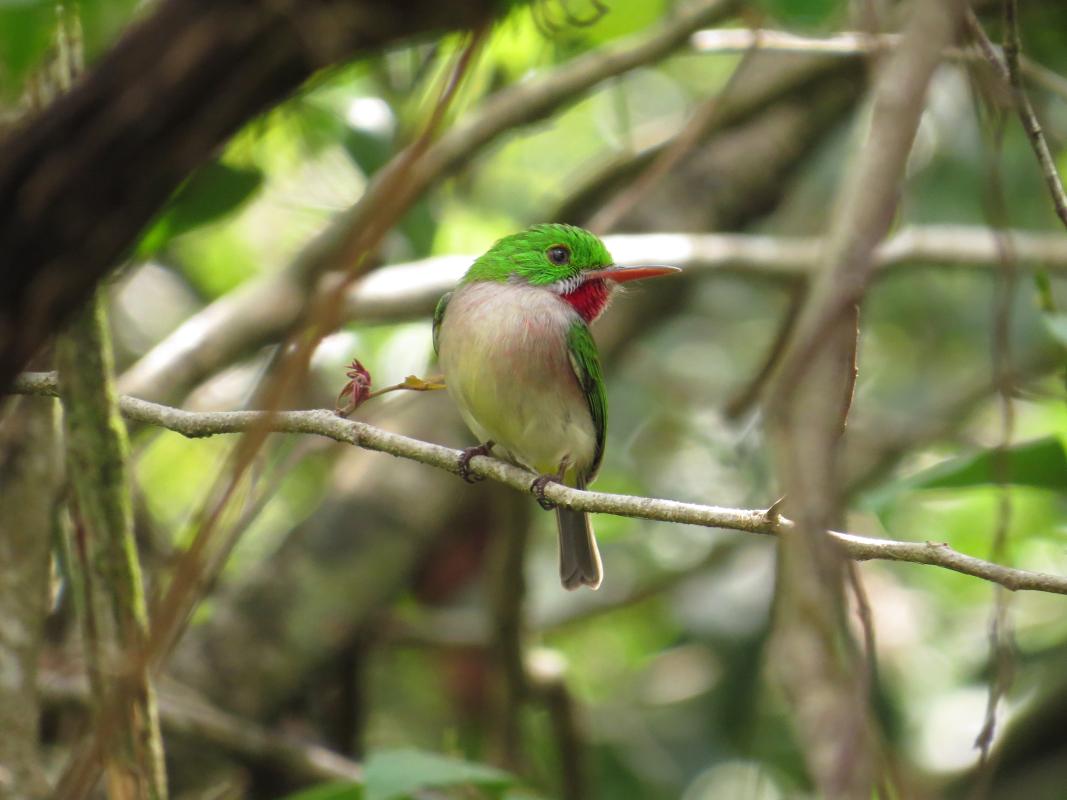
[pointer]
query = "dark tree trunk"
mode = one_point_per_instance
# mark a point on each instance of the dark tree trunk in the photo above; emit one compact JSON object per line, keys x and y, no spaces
{"x":80,"y":180}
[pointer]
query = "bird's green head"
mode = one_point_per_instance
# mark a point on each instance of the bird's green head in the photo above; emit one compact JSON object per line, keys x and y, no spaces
{"x":541,"y":255}
{"x":567,"y":261}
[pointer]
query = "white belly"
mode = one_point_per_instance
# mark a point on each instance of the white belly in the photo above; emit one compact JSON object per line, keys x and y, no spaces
{"x":504,"y":353}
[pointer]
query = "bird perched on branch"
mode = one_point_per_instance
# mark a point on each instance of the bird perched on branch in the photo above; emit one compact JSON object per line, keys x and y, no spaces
{"x":519,"y":361}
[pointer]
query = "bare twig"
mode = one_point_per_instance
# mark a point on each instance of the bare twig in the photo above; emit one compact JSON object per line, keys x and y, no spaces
{"x":749,"y":394}
{"x":327,"y":424}
{"x":694,"y":131}
{"x":1011,"y":70}
{"x":182,"y":712}
{"x":1001,"y":639}
{"x":1012,"y":48}
{"x":847,"y":43}
{"x":411,"y":290}
{"x":866,"y":620}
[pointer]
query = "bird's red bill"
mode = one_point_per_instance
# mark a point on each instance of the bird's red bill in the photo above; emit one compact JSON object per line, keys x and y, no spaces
{"x":624,"y":274}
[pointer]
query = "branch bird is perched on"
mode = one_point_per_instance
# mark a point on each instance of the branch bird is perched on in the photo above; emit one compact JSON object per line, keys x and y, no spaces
{"x":513,"y":341}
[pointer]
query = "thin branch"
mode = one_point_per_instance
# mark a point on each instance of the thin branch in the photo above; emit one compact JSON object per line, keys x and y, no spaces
{"x":847,"y":43}
{"x":1001,"y":635}
{"x":412,"y":289}
{"x":181,"y":711}
{"x":870,"y":195}
{"x":197,"y":424}
{"x":1008,"y":70}
{"x":695,"y":130}
{"x":387,"y":197}
{"x":739,"y":404}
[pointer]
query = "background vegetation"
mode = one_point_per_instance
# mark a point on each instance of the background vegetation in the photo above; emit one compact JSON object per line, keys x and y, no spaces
{"x":354,"y":616}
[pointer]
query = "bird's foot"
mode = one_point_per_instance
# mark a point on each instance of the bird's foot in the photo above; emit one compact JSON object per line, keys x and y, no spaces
{"x":538,"y":489}
{"x":465,"y":461}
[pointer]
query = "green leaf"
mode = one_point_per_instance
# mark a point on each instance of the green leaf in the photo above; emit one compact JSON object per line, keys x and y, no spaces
{"x":213,"y":191}
{"x":26,"y":30}
{"x":369,"y":150}
{"x":338,"y":790}
{"x":1041,"y":463}
{"x":398,"y":773}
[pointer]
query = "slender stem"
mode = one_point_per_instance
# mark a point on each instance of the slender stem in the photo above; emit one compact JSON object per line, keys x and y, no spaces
{"x":197,"y":424}
{"x":1010,"y":69}
{"x":848,"y":44}
{"x":182,"y":711}
{"x":411,"y":290}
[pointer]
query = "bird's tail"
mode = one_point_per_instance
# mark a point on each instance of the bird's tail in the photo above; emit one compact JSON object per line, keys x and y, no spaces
{"x":579,"y":559}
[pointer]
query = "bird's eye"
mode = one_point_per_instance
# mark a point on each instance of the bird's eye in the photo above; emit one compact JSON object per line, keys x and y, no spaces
{"x":559,"y":254}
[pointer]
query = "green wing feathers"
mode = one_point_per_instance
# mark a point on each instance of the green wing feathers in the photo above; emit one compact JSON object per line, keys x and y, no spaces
{"x":586,"y":364}
{"x":438,"y":317}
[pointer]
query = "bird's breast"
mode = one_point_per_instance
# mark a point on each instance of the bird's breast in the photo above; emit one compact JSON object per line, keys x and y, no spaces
{"x":503,"y":349}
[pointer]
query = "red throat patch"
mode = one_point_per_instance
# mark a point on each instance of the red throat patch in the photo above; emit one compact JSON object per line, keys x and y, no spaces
{"x":590,"y":298}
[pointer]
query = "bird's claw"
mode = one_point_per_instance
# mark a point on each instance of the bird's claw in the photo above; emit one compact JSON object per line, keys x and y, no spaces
{"x":465,"y":461}
{"x":538,"y":488}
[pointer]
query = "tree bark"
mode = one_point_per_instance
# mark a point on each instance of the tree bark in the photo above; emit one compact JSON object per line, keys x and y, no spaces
{"x":104,"y":567}
{"x":29,"y":480}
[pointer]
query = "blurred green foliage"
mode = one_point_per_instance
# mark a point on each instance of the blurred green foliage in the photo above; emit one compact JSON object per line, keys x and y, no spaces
{"x":27,"y":28}
{"x":674,"y":698}
{"x":25,"y":32}
{"x":674,"y":702}
{"x":213,"y":191}
{"x":802,"y":15}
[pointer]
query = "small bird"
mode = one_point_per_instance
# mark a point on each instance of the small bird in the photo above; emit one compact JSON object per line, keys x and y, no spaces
{"x":519,"y":361}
